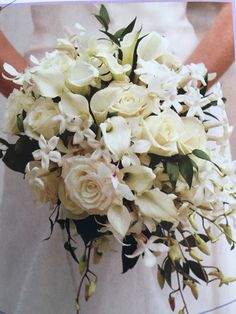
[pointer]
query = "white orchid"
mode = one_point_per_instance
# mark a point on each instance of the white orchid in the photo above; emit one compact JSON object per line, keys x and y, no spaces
{"x":150,"y":250}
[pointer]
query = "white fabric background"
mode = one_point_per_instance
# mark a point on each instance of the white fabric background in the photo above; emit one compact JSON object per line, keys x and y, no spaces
{"x":17,"y":25}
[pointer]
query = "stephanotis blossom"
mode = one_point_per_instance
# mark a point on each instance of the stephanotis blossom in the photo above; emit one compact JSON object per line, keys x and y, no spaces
{"x":46,"y":151}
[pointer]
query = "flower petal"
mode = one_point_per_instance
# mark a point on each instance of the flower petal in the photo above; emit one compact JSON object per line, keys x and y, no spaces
{"x":119,"y":218}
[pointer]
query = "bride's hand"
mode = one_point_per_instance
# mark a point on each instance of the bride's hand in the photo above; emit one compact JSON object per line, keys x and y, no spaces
{"x":10,"y":55}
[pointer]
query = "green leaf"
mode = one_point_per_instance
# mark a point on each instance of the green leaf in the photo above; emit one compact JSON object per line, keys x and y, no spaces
{"x":112,"y":37}
{"x":198,"y":270}
{"x":128,"y":263}
{"x":4,"y":142}
{"x":186,"y":169}
{"x":88,"y":228}
{"x":128,"y":29}
{"x":173,"y":172}
{"x":104,"y":14}
{"x":201,"y":154}
{"x":155,"y":160}
{"x":191,"y":240}
{"x":68,"y":247}
{"x":118,"y":34}
{"x":19,"y":154}
{"x":168,"y":271}
{"x":195,"y":166}
{"x":160,"y":277}
{"x":102,"y":21}
{"x":211,"y":104}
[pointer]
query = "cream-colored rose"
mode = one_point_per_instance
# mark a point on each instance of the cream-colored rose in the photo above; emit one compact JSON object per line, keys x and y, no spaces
{"x":16,"y":103}
{"x":39,"y":119}
{"x":43,"y":183}
{"x":163,"y":132}
{"x":87,"y":187}
{"x":125,"y":99}
{"x":134,"y":101}
{"x":193,"y":136}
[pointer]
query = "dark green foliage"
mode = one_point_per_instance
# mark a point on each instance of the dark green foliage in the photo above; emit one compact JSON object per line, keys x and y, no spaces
{"x":190,"y":240}
{"x":128,"y":249}
{"x":19,"y":154}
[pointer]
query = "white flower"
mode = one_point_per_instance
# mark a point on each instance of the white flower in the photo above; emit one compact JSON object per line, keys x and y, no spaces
{"x":138,"y":178}
{"x":147,"y":247}
{"x":46,"y":151}
{"x":152,"y":46}
{"x":163,"y":132}
{"x":17,"y":102}
{"x":87,"y":187}
{"x":17,"y":78}
{"x":39,"y":119}
{"x":130,"y":157}
{"x":80,"y":76}
{"x":101,"y":151}
{"x":195,"y":101}
{"x":117,"y":135}
{"x":157,"y":205}
{"x":43,"y":183}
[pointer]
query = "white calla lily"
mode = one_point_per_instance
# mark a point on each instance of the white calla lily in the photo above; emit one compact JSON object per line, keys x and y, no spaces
{"x":138,"y":178}
{"x":102,"y":101}
{"x":80,"y":76}
{"x":117,"y":135}
{"x":157,"y":205}
{"x":116,"y":69}
{"x":119,"y":217}
{"x":128,"y":46}
{"x":152,"y":46}
{"x":50,"y":82}
{"x":74,"y":105}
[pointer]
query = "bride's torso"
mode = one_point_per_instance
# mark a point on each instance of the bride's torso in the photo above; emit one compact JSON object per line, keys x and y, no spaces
{"x":169,"y":19}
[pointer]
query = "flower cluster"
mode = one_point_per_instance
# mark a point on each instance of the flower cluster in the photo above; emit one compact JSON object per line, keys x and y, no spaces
{"x":120,"y":138}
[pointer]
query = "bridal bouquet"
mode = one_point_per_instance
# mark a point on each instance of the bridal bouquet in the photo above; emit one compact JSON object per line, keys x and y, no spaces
{"x":120,"y":139}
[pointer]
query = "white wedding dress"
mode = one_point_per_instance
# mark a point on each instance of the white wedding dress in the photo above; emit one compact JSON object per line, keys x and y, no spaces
{"x":38,"y":277}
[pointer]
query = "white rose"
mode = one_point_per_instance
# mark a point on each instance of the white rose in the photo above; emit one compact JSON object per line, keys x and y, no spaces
{"x":87,"y":187}
{"x":16,"y":103}
{"x":43,"y":183}
{"x":163,"y":132}
{"x":134,"y":101}
{"x":39,"y":119}
{"x":193,"y":136}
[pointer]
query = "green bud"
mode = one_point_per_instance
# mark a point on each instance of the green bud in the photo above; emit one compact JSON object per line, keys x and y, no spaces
{"x":90,"y":289}
{"x":193,"y":221}
{"x":192,"y":285}
{"x":175,"y":253}
{"x":195,"y":255}
{"x":82,"y":264}
{"x":77,"y":307}
{"x":201,"y":244}
{"x":181,"y":311}
{"x":97,"y":256}
{"x":227,"y":280}
{"x":228,"y":232}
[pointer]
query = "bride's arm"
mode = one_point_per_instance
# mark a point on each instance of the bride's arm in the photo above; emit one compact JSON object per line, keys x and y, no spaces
{"x":10,"y":55}
{"x":216,"y":49}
